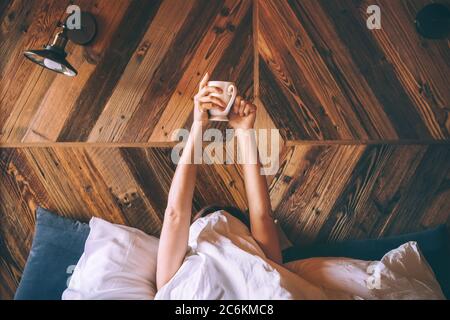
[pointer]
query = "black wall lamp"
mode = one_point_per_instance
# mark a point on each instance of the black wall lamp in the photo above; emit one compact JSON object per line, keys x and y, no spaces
{"x":53,"y":56}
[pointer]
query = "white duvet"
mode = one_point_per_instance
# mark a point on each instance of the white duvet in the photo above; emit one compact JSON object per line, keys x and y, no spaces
{"x":225,"y":262}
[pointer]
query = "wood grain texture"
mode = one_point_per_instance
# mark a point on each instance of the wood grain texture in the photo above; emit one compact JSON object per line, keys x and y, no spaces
{"x":385,"y":190}
{"x":102,"y":82}
{"x":317,"y":72}
{"x":324,"y":75}
{"x":25,"y":24}
{"x":51,"y":117}
{"x":136,"y":80}
{"x":424,"y":71}
{"x":320,"y":192}
{"x":314,"y":71}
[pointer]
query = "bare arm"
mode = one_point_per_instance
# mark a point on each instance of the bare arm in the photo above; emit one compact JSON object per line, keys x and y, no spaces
{"x":175,"y":230}
{"x":177,"y":218}
{"x":262,"y":225}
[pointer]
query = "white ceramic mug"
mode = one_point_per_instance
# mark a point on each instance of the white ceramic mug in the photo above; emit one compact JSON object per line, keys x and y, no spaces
{"x":228,"y":95}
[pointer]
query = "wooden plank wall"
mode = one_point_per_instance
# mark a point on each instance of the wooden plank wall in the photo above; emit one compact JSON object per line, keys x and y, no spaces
{"x":364,"y":115}
{"x":136,"y":81}
{"x":320,"y":193}
{"x":313,"y":65}
{"x":325,"y":76}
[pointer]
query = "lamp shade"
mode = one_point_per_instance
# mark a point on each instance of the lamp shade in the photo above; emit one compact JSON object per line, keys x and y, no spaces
{"x":52,"y":58}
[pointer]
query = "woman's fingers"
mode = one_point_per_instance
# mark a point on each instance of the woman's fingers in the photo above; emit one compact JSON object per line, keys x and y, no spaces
{"x":247,"y":109}
{"x":204,"y":81}
{"x":207,"y":90}
{"x":236,"y":105}
{"x":204,"y":93}
{"x":210,"y":106}
{"x":242,"y":107}
{"x":214,"y":100}
{"x":250,"y":108}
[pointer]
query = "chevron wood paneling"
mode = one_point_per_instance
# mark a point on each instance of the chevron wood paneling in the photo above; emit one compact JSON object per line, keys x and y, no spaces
{"x":320,"y":192}
{"x":317,"y":71}
{"x":333,"y":193}
{"x":323,"y":75}
{"x":136,"y":81}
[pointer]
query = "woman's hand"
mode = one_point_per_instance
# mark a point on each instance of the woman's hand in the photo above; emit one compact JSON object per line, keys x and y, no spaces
{"x":173,"y":243}
{"x":243,"y":114}
{"x":204,"y":101}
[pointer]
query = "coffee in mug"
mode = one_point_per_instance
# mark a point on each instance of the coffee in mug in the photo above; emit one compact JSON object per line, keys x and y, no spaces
{"x":228,"y":95}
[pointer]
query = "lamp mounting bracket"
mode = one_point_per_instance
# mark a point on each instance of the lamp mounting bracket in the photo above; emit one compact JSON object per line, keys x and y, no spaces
{"x":87,"y":31}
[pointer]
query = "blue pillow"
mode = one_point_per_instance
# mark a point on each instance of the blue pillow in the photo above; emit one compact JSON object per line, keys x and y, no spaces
{"x":433,"y":243}
{"x":57,"y":246}
{"x":59,"y":243}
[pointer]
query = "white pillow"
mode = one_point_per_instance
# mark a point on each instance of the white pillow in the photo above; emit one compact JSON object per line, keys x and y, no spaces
{"x":402,"y":273}
{"x":118,"y":262}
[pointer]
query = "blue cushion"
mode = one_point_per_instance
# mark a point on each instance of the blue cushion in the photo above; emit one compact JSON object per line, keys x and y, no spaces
{"x":59,"y":243}
{"x":433,"y":243}
{"x":57,"y":246}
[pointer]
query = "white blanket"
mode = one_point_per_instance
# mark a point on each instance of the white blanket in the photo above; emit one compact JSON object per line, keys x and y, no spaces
{"x":225,"y":262}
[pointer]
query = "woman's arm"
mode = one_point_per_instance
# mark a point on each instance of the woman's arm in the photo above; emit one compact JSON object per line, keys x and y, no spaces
{"x":262,"y":225}
{"x":177,"y":218}
{"x":175,"y":230}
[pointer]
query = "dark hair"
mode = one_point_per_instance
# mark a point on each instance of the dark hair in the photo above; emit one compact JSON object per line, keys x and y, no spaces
{"x":236,"y":212}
